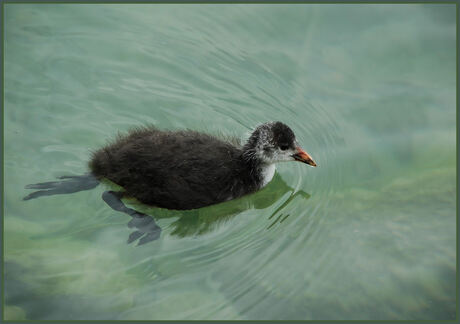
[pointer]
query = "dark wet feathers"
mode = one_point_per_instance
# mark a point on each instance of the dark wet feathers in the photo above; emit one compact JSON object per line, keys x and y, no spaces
{"x":175,"y":169}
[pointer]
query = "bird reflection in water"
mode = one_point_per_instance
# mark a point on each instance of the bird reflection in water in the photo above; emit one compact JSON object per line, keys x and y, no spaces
{"x":204,"y":220}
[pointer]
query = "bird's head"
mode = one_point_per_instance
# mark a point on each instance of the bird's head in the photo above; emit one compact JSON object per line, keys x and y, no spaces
{"x":275,"y":142}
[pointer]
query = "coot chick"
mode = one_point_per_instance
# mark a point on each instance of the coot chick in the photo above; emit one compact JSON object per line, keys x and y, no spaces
{"x":188,"y":169}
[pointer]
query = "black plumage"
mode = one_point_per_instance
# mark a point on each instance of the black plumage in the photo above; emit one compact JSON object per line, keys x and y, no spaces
{"x":188,"y":169}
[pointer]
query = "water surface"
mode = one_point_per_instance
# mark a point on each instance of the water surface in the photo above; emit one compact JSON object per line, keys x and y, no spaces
{"x":369,"y":90}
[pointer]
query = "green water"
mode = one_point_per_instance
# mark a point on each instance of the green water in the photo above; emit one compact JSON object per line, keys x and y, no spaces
{"x":369,"y":90}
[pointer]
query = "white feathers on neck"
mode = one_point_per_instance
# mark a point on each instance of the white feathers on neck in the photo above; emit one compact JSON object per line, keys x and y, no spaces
{"x":267,"y":172}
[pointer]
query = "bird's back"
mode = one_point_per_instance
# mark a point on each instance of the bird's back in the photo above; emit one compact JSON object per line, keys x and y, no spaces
{"x":172,"y":169}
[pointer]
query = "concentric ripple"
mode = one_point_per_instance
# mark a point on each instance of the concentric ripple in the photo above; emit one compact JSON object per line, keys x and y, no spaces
{"x":368,"y":234}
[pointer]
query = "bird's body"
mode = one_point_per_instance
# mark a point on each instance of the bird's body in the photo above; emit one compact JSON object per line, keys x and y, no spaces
{"x":182,"y":169}
{"x":188,"y":169}
{"x":177,"y":170}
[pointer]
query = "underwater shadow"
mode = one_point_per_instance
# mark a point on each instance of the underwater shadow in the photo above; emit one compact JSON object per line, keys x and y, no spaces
{"x":204,"y":220}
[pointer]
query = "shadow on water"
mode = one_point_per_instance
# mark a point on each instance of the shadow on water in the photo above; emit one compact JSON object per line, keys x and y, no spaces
{"x":204,"y":220}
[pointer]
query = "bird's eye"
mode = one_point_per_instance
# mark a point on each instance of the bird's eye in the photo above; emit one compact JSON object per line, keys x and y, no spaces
{"x":284,"y":147}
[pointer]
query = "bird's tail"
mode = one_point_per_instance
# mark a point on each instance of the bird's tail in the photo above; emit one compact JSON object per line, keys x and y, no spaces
{"x":68,"y":184}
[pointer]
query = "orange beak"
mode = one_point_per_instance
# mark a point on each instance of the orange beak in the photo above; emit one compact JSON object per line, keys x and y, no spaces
{"x":304,"y":157}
